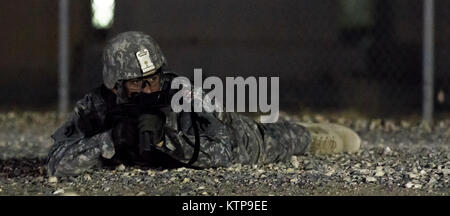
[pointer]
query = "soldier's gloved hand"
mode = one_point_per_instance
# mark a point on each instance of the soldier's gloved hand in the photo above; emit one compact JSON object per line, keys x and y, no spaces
{"x":86,"y":119}
{"x":125,"y":137}
{"x":151,"y":131}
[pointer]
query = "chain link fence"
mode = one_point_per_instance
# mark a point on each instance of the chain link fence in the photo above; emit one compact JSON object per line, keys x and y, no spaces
{"x":362,"y":55}
{"x":369,"y":57}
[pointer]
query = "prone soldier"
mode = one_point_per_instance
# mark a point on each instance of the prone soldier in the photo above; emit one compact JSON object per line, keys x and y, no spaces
{"x":127,"y":120}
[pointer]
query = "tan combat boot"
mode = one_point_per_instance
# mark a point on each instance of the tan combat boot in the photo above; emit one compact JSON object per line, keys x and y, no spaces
{"x":328,"y":138}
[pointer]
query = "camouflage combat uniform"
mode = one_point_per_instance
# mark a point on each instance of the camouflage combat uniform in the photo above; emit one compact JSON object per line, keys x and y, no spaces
{"x":89,"y":139}
{"x":226,"y":138}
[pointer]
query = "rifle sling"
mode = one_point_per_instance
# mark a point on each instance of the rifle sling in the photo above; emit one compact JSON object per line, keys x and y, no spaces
{"x":197,"y":139}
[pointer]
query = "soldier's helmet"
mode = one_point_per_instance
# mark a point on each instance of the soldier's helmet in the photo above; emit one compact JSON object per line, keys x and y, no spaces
{"x":130,"y":55}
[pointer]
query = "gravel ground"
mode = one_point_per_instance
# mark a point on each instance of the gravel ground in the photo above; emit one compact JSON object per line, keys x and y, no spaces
{"x":396,"y":158}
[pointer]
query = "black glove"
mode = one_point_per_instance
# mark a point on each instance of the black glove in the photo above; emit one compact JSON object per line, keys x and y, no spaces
{"x":151,"y":131}
{"x":125,"y":137}
{"x":88,"y":122}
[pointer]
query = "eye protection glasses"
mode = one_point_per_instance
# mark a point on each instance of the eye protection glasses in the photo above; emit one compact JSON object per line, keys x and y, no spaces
{"x":140,"y":83}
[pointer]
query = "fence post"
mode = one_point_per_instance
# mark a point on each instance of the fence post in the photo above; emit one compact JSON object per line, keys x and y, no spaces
{"x":428,"y":59}
{"x":63,"y":57}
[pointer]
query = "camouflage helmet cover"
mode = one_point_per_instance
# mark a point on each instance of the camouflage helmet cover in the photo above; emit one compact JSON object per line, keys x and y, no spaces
{"x":121,"y":57}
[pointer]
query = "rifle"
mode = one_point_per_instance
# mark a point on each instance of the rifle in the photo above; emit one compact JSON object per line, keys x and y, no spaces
{"x":153,"y":106}
{"x":143,"y":103}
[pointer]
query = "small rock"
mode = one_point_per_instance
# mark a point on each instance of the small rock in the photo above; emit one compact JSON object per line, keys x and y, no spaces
{"x":186,"y":180}
{"x":52,"y":179}
{"x":432,"y":181}
{"x":181,"y":169}
{"x":321,"y":119}
{"x":371,"y":179}
{"x":379,"y":173}
{"x":375,"y":124}
{"x":120,"y":168}
{"x":205,"y":193}
{"x":412,"y":175}
{"x":142,"y":193}
{"x":294,"y":180}
{"x":290,"y":170}
{"x":361,"y":124}
{"x":59,"y":191}
{"x":390,"y":126}
{"x":294,"y":161}
{"x":405,"y":124}
{"x":417,"y":186}
{"x":200,"y":188}
{"x":409,"y":185}
{"x":387,"y":151}
{"x":330,"y":173}
{"x":364,"y":171}
{"x":137,"y":171}
{"x":445,"y":171}
{"x":87,"y":177}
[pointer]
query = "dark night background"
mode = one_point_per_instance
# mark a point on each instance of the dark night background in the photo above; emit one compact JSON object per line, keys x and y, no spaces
{"x":324,"y":61}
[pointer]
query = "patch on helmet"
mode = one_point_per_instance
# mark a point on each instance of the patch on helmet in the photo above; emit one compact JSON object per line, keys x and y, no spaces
{"x":145,"y":62}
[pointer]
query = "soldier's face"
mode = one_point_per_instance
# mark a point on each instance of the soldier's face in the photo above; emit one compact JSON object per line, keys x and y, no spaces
{"x":146,"y":85}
